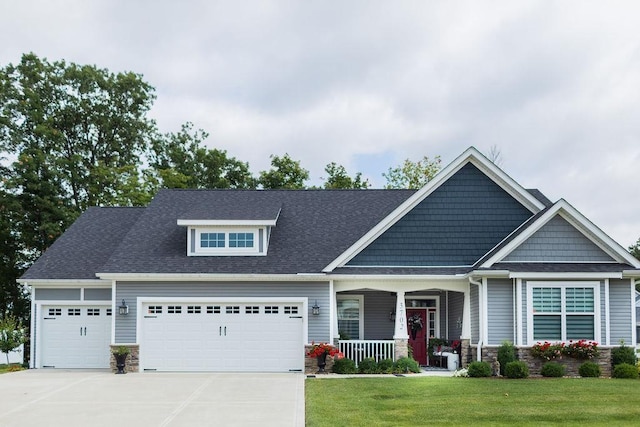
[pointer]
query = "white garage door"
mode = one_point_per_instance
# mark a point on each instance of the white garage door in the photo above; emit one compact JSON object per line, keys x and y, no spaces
{"x":246,"y":337}
{"x":75,"y":336}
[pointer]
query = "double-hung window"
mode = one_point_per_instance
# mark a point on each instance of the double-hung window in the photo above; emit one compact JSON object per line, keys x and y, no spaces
{"x":563,"y":311}
{"x":350,"y":316}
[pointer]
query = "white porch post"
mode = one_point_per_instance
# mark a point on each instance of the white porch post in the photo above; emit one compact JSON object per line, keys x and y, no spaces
{"x":400,"y":335}
{"x":335,"y":333}
{"x":466,"y":316}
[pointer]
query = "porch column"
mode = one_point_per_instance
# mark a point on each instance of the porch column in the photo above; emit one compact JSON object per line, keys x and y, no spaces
{"x":466,"y":316}
{"x":400,"y":335}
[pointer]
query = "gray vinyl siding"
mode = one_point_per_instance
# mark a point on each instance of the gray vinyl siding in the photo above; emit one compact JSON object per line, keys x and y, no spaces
{"x":603,"y":313}
{"x":475,"y":313}
{"x":455,"y":310}
{"x":455,"y":225}
{"x":500,"y":311}
{"x":523,"y":291}
{"x":71,"y":294}
{"x":314,"y":291}
{"x":620,"y":303}
{"x":377,"y":306}
{"x":558,"y":241}
{"x":102,"y":294}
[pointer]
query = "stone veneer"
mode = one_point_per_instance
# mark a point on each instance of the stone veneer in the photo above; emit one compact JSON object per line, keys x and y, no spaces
{"x":133,"y":360}
{"x":401,"y":347}
{"x":490,"y":354}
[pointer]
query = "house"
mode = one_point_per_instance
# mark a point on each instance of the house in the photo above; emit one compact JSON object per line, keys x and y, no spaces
{"x":244,"y":280}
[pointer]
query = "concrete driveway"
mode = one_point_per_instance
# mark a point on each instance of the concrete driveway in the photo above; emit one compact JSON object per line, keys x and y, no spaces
{"x":99,"y":398}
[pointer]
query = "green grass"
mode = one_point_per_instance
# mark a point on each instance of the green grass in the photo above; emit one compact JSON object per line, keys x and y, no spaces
{"x":442,"y":401}
{"x":4,"y":368}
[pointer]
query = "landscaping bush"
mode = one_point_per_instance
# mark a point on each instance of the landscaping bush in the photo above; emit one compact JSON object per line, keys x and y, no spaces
{"x":589,"y":369}
{"x":623,"y":354}
{"x":479,"y":369}
{"x":506,"y":354}
{"x":516,"y":369}
{"x":344,"y":366}
{"x":552,"y":369}
{"x":385,"y":366}
{"x":625,"y":370}
{"x":405,"y":365}
{"x":368,"y":366}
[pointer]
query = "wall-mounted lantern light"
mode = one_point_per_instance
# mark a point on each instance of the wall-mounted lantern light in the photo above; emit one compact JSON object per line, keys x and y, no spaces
{"x":392,"y":316}
{"x":315,"y":310}
{"x":459,"y":323}
{"x":123,"y":310}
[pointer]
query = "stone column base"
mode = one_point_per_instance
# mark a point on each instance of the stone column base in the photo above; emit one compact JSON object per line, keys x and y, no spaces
{"x":401,"y":347}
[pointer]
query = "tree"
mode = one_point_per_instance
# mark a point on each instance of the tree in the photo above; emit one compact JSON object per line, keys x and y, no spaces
{"x":339,"y":178}
{"x":181,"y":161}
{"x":635,"y":249}
{"x":412,"y":174}
{"x":85,"y":128}
{"x":11,"y":335}
{"x":284,"y":173}
{"x":495,"y":155}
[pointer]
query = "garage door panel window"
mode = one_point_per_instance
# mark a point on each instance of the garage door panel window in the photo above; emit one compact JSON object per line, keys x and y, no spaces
{"x":563,"y":312}
{"x":174,"y":309}
{"x":194,"y":309}
{"x":73,"y":312}
{"x":55,"y":312}
{"x":213,"y":309}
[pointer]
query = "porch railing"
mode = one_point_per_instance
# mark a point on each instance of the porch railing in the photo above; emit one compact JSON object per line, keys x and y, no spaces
{"x":357,"y":350}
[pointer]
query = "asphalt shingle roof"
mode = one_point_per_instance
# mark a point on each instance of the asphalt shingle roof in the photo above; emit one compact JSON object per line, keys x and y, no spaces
{"x":313,"y":228}
{"x":86,"y":245}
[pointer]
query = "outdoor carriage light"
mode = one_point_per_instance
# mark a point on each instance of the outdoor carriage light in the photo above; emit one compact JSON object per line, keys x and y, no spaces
{"x":123,"y":310}
{"x":315,"y":310}
{"x":392,"y":316}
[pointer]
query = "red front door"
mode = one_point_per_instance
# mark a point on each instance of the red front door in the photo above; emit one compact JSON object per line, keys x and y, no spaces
{"x":417,"y":328}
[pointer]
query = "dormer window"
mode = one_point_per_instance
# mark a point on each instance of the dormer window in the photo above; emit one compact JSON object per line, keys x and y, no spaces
{"x":228,"y":237}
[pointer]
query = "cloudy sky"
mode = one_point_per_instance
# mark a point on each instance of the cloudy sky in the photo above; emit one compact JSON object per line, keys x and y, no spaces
{"x":554,"y":85}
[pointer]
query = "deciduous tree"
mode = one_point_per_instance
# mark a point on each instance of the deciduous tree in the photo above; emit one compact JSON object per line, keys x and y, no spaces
{"x":412,"y":174}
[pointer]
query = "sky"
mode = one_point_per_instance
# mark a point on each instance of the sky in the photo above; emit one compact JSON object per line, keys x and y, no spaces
{"x":554,"y":86}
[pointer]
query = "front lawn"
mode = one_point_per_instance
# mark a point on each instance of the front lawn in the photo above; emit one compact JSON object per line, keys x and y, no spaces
{"x":10,"y":368}
{"x":439,"y":401}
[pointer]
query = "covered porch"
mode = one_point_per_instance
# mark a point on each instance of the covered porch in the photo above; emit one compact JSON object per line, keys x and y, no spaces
{"x":387,"y":319}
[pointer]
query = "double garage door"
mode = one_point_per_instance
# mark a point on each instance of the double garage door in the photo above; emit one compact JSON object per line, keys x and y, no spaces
{"x":75,"y":336}
{"x":211,"y":336}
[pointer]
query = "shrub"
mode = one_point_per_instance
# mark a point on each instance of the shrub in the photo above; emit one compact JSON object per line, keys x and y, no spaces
{"x":516,"y":369}
{"x":344,"y":366}
{"x":405,"y":365}
{"x":368,"y":366}
{"x":479,"y":369}
{"x":461,"y":373}
{"x":385,"y":366}
{"x":506,"y":354}
{"x":582,"y":349}
{"x":623,"y":354}
{"x":552,"y":369}
{"x":625,"y":370}
{"x":589,"y":369}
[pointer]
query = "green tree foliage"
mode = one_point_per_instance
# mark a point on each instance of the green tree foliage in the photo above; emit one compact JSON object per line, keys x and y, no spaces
{"x":82,"y":128}
{"x":181,"y":161}
{"x":337,"y":177}
{"x":635,"y":249}
{"x":413,"y":174}
{"x":284,"y":173}
{"x":11,"y":335}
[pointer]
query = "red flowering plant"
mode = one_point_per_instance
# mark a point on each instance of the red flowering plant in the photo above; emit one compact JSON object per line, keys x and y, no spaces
{"x":582,"y":349}
{"x":547,"y":351}
{"x":318,"y":350}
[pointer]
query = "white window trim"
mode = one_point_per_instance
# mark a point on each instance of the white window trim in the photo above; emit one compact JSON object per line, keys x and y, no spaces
{"x":226,"y":250}
{"x":360,"y":299}
{"x":564,"y":285}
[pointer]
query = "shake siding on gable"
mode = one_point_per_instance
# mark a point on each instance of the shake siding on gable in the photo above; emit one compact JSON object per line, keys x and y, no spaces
{"x":500,"y":311}
{"x":558,"y":241}
{"x":620,"y":311}
{"x":455,"y":225}
{"x":318,"y":325}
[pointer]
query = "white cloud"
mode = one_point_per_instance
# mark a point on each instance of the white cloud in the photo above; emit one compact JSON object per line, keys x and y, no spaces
{"x":555,"y":85}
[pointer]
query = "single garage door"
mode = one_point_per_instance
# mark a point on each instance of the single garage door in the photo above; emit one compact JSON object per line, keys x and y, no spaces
{"x":75,"y":336}
{"x":247,"y":337}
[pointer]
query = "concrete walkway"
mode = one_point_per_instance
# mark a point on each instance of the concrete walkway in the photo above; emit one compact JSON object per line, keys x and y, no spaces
{"x":99,"y":398}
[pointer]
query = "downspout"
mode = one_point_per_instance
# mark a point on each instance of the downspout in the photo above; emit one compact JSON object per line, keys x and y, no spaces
{"x":480,"y":325}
